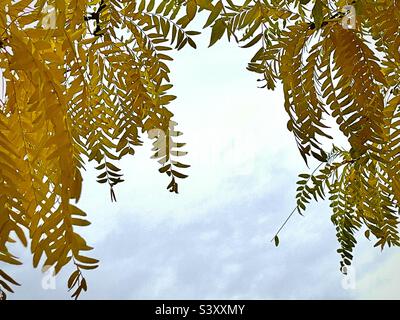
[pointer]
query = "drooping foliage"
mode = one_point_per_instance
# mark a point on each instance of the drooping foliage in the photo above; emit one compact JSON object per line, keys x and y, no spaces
{"x":81,"y":80}
{"x":338,"y":62}
{"x":90,"y":83}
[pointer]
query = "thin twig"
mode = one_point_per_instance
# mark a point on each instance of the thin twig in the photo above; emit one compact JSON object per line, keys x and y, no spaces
{"x":294,"y":210}
{"x":283,"y":225}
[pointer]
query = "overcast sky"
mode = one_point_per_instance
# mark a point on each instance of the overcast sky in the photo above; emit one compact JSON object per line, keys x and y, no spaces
{"x":212,"y":241}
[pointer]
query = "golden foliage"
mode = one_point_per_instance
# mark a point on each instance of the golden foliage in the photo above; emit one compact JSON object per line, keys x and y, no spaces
{"x":330,"y":69}
{"x":90,"y":86}
{"x":86,"y":85}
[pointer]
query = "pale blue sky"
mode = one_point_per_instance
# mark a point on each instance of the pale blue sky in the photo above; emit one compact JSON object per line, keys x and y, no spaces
{"x":212,"y":240}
